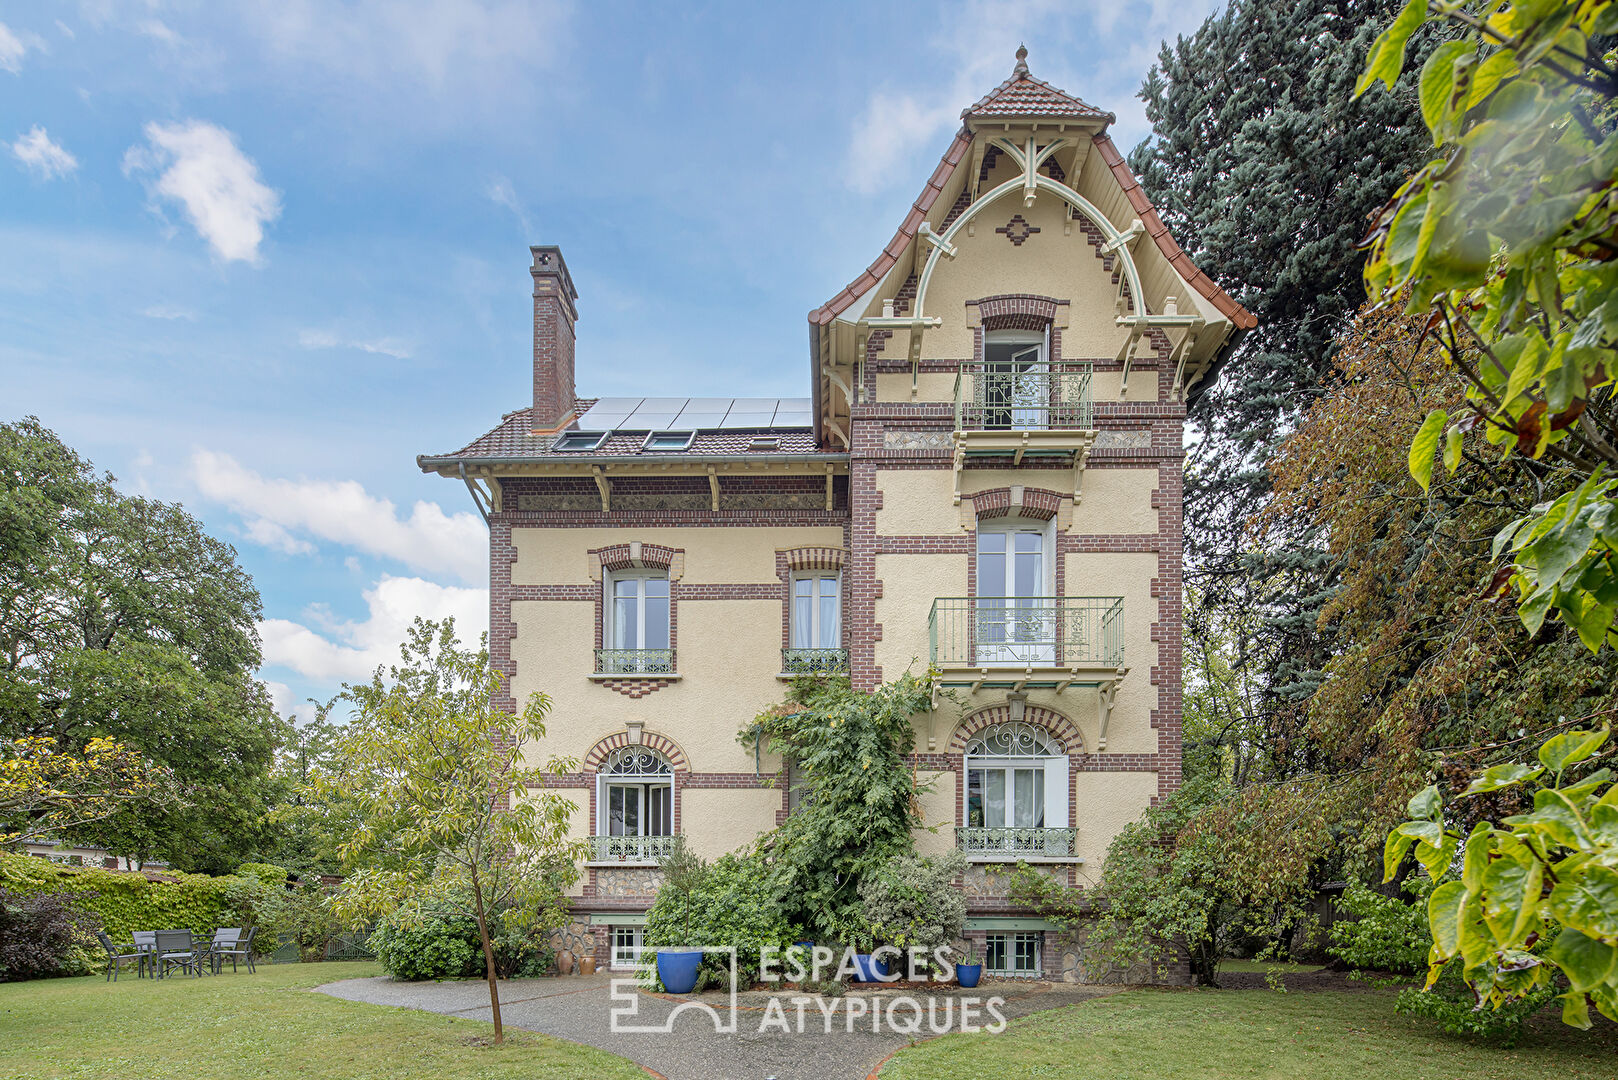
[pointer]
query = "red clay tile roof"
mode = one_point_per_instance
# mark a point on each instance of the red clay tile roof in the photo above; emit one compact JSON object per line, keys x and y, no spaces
{"x":512,"y":439}
{"x":1159,"y":232}
{"x":1024,"y":95}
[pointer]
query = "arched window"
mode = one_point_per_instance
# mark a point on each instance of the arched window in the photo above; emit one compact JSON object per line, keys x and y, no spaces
{"x":636,"y":793}
{"x":1016,"y":778}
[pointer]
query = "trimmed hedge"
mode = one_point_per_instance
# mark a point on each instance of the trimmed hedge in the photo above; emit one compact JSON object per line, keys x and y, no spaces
{"x":127,"y":902}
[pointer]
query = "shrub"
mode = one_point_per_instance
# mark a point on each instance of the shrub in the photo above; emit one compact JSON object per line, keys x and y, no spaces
{"x":427,"y":945}
{"x":520,"y":952}
{"x":1454,"y":1005}
{"x":913,"y":902}
{"x":1385,"y":933}
{"x":44,"y":934}
{"x":734,"y":903}
{"x":415,"y":944}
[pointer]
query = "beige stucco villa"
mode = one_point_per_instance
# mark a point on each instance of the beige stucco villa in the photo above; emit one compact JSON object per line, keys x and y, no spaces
{"x":984,"y":477}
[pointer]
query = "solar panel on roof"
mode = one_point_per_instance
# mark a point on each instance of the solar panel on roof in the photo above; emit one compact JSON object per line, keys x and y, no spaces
{"x":738,"y":418}
{"x":609,"y":413}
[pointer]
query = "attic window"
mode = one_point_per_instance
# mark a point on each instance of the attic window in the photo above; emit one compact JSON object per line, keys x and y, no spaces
{"x":577,"y":441}
{"x":669,"y":440}
{"x":764,"y":442}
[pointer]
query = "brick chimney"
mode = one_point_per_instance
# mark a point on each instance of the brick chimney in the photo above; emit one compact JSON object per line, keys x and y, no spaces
{"x":554,"y":315}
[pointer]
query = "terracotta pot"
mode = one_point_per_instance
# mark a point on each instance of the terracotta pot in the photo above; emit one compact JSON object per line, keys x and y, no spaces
{"x":564,"y":963}
{"x":587,"y":965}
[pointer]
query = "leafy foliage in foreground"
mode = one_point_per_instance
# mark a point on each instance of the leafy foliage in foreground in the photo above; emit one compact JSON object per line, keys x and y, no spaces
{"x":914,"y":903}
{"x":736,"y":902}
{"x":1507,"y":238}
{"x":47,"y":791}
{"x":1383,"y":933}
{"x":849,"y":749}
{"x":121,"y":619}
{"x":1548,"y":876}
{"x":44,"y":934}
{"x":446,"y":813}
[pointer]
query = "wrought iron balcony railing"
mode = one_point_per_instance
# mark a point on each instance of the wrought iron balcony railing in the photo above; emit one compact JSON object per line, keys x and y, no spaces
{"x":634,"y":661}
{"x":1023,"y":631}
{"x":1017,"y":843}
{"x":814,"y":661}
{"x":632,"y":849}
{"x":994,"y":396}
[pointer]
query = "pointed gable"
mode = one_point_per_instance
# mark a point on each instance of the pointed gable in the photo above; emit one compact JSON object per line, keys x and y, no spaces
{"x":1024,"y":95}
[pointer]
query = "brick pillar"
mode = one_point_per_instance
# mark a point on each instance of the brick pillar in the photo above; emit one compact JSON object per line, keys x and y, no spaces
{"x":555,"y":312}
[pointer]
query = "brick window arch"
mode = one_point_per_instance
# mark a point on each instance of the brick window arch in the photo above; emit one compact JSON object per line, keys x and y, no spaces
{"x":1040,"y":504}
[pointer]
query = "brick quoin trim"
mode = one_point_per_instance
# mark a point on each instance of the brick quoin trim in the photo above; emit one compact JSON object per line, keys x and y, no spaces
{"x":1038,"y":503}
{"x":1168,"y":631}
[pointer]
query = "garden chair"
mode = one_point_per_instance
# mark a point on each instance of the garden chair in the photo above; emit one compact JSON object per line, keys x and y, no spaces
{"x":177,"y":948}
{"x":241,"y":949}
{"x":146,"y":942}
{"x":223,"y":941}
{"x":116,"y":959}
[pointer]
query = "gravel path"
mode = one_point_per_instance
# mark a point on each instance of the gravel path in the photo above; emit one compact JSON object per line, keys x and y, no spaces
{"x":579,"y":1008}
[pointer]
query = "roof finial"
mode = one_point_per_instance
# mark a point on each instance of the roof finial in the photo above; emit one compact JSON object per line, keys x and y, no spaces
{"x":1022,"y":61}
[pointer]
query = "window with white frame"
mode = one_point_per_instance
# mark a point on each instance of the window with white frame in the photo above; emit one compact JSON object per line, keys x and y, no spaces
{"x":626,"y":947}
{"x":1016,"y":778}
{"x":1016,"y":378}
{"x":1014,"y":615}
{"x":816,"y":612}
{"x":638,"y":611}
{"x":635,"y":795}
{"x":1012,"y":953}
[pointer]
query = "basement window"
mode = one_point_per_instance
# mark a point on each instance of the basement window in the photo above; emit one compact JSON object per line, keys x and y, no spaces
{"x":574,"y":442}
{"x":669,"y":440}
{"x":764,"y":442}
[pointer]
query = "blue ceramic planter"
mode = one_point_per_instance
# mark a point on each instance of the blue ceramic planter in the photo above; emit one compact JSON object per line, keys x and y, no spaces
{"x":678,"y":969}
{"x":968,"y":974}
{"x":869,"y":970}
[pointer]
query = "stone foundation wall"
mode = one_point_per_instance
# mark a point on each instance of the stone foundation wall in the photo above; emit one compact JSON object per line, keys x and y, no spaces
{"x":628,"y":881}
{"x":580,"y":939}
{"x":983,"y":880}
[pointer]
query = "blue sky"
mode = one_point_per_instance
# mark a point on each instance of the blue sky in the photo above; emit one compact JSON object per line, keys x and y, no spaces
{"x":254,"y":257}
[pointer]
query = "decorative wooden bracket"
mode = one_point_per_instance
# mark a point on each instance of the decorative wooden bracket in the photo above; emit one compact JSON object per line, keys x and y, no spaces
{"x":604,"y":486}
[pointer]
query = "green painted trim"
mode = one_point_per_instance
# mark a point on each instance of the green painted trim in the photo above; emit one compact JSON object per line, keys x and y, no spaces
{"x":1006,"y":922}
{"x":616,"y":918}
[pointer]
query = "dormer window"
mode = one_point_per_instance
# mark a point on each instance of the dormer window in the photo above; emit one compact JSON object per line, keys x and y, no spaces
{"x":668,"y":441}
{"x":578,"y":442}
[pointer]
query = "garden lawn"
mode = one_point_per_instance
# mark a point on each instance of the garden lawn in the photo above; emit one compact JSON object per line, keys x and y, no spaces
{"x":1214,"y":1034}
{"x":268,"y":1024}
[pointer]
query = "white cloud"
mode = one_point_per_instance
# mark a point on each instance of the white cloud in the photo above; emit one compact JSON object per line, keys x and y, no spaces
{"x":217,"y":185}
{"x":350,"y":651}
{"x":13,"y":44}
{"x":157,"y":30}
{"x":42,"y":157}
{"x":503,"y":194}
{"x":326,"y":339}
{"x":895,"y":125}
{"x":1117,"y":43}
{"x":169,"y":311}
{"x":342,"y":512}
{"x":285,"y":704}
{"x":431,"y":42}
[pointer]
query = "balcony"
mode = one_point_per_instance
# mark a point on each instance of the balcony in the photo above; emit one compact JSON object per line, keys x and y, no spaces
{"x":1030,"y":641}
{"x":631,"y":850}
{"x":1043,"y":397}
{"x":1011,"y":845}
{"x":634,"y":662}
{"x":814,"y":662}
